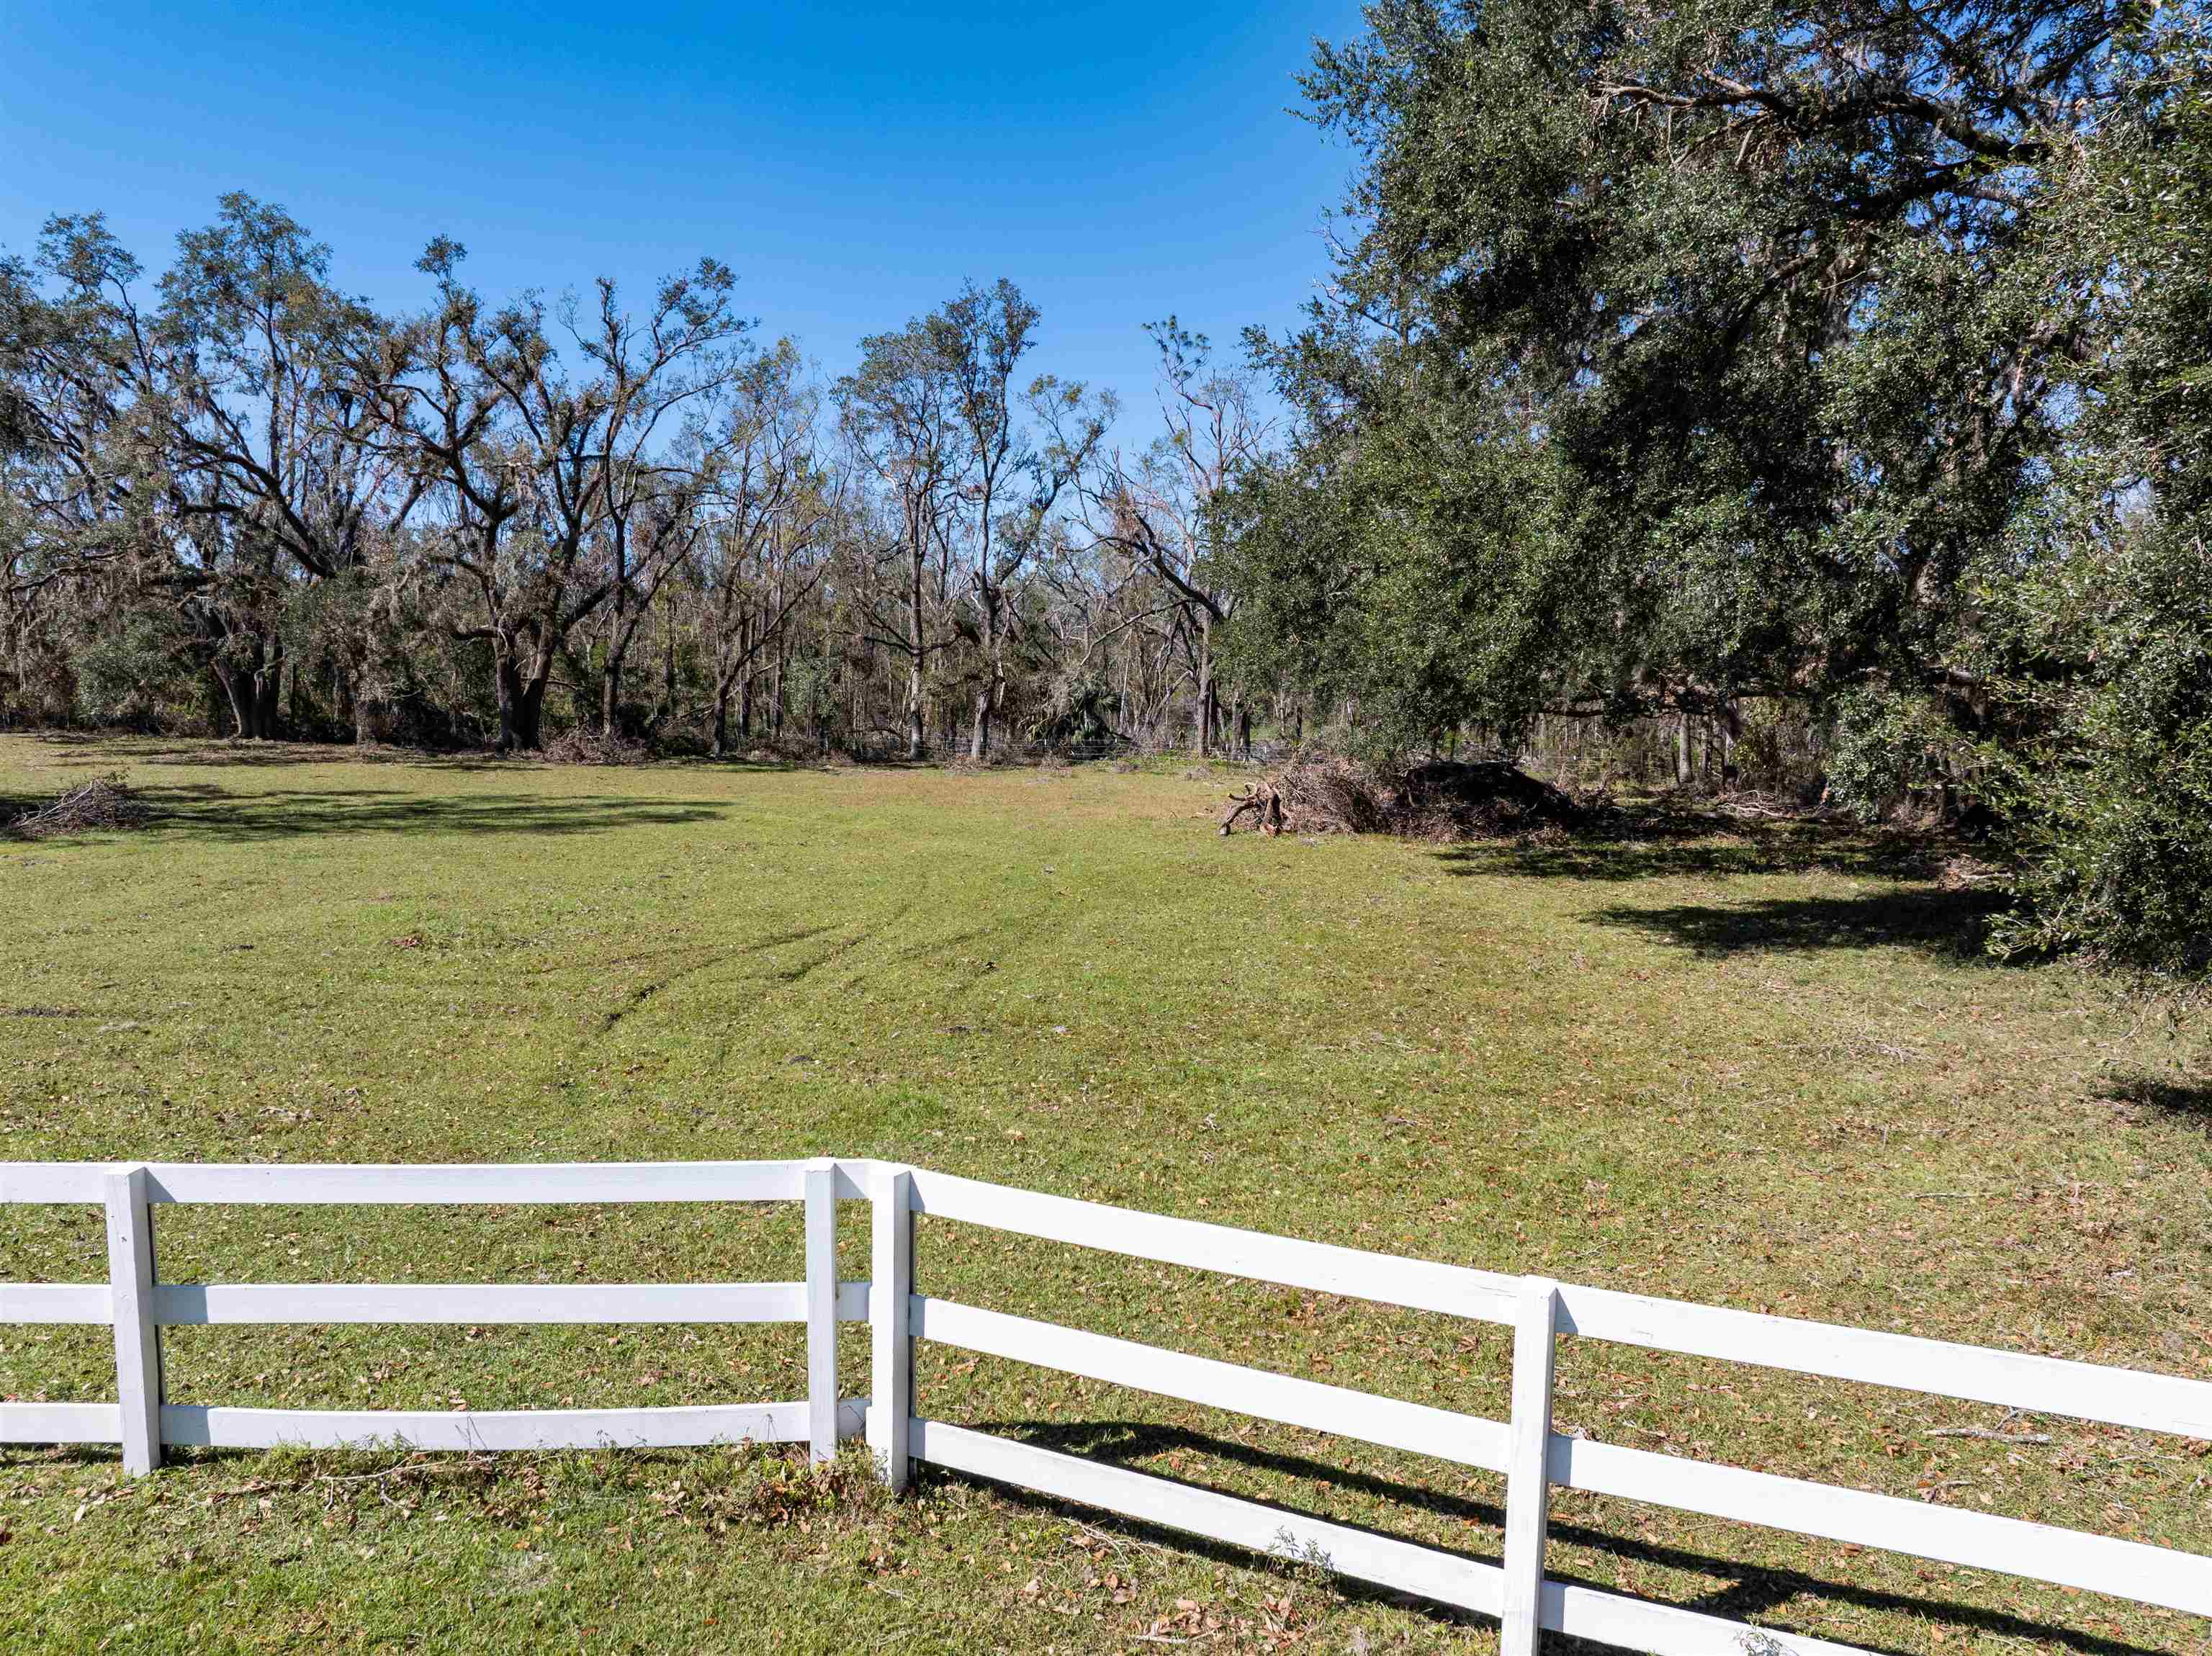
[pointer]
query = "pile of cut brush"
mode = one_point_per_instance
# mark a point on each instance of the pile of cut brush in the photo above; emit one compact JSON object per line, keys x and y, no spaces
{"x":584,"y":746}
{"x":105,"y":802}
{"x":1444,"y":799}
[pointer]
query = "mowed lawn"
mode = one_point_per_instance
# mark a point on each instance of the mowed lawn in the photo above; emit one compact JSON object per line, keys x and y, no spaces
{"x":1764,"y":1069}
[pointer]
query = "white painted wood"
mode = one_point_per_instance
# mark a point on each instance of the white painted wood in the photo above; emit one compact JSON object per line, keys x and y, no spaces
{"x":54,"y":1181}
{"x":890,"y":1330}
{"x":1422,"y":1285}
{"x":193,"y":1303}
{"x":55,"y":1303}
{"x":139,"y":1308}
{"x":512,"y":1183}
{"x":60,"y":1423}
{"x":1467,"y":1439}
{"x":490,"y":1429}
{"x":2012,"y":1380}
{"x":137,"y":1339}
{"x":1662,"y":1630}
{"x":1401,"y":1565}
{"x":856,"y":1176}
{"x":821,"y":1290}
{"x":1527,"y":1478}
{"x":1955,"y":1535}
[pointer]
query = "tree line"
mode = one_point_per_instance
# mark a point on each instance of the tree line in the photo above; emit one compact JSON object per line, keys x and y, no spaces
{"x":1811,"y":390}
{"x":239,"y":498}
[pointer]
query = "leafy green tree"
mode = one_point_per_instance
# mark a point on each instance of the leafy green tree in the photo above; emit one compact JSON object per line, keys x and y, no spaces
{"x":1785,"y":349}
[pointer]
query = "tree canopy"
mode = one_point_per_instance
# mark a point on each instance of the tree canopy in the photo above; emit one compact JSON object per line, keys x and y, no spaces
{"x":1685,"y":357}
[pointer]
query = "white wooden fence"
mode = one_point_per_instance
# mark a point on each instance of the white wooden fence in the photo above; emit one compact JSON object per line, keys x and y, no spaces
{"x":1533,"y":1458}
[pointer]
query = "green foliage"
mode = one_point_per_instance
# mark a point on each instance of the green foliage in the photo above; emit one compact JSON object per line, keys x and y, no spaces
{"x":1888,"y":746}
{"x":135,"y":670}
{"x":1690,"y":358}
{"x":2116,"y":808}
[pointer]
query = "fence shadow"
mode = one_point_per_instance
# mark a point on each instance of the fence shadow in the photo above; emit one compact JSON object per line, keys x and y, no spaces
{"x":1949,"y":924}
{"x":1749,"y":1590}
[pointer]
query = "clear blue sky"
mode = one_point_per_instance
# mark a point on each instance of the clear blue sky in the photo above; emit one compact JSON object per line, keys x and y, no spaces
{"x":852,"y":164}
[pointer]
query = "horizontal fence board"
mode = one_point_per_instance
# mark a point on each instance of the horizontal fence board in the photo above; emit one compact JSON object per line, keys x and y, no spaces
{"x":1402,"y":1565}
{"x":53,"y":1181}
{"x":56,"y":1302}
{"x":195,"y":1304}
{"x":493,"y":1429}
{"x":535,"y":1183}
{"x":2012,"y":1380}
{"x":1467,"y":1439}
{"x":2131,"y":1569}
{"x":1662,"y":1630}
{"x":187,"y":1304}
{"x":1322,"y":1267}
{"x":61,"y":1422}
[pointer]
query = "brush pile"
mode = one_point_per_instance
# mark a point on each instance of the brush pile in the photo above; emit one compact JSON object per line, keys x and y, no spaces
{"x":1445,"y":799}
{"x":105,"y":802}
{"x":584,"y":746}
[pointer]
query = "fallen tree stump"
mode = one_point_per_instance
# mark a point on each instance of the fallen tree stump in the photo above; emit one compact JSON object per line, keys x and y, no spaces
{"x":1265,"y":804}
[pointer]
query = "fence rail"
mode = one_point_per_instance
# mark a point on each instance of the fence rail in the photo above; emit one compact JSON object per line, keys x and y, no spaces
{"x":1533,"y":1458}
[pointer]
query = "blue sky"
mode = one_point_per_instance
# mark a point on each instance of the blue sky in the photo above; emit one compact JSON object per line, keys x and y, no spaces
{"x":852,"y":164}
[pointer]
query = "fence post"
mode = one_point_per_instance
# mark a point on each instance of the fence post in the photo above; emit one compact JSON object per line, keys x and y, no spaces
{"x":891,"y":1392}
{"x":822,"y":1308}
{"x":1527,"y":1478}
{"x":137,"y":1340}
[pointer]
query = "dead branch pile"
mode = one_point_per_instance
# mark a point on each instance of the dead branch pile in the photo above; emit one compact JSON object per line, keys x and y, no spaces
{"x":105,"y":802}
{"x":1442,"y":800}
{"x":583,"y":746}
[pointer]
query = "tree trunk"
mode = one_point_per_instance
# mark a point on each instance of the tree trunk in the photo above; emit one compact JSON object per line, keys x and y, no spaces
{"x":240,"y":707}
{"x":917,"y":646}
{"x":721,"y":719}
{"x":611,"y":687}
{"x":775,"y":709}
{"x":1205,"y":745}
{"x":530,"y":713}
{"x":267,"y":691}
{"x":1682,"y":772}
{"x":506,"y":681}
{"x":979,"y":738}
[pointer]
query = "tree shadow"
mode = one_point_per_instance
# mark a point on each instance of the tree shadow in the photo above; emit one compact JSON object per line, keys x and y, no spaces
{"x":1749,"y":1590}
{"x":1702,"y":848}
{"x":1949,"y":924}
{"x":211,"y":812}
{"x":2138,"y":1090}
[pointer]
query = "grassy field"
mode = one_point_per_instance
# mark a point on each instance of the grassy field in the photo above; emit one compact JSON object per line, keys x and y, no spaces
{"x":1762,"y":1069}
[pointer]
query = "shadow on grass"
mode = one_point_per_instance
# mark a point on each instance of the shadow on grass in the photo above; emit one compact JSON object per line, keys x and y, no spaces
{"x":1748,"y":1590}
{"x":1702,"y":848}
{"x":1947,"y":923}
{"x":106,"y":751}
{"x":1745,"y":1591}
{"x":2186,"y":1100}
{"x":284,"y":813}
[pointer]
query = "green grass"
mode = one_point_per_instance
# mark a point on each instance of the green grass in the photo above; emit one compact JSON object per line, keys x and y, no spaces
{"x":1761,"y":1070}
